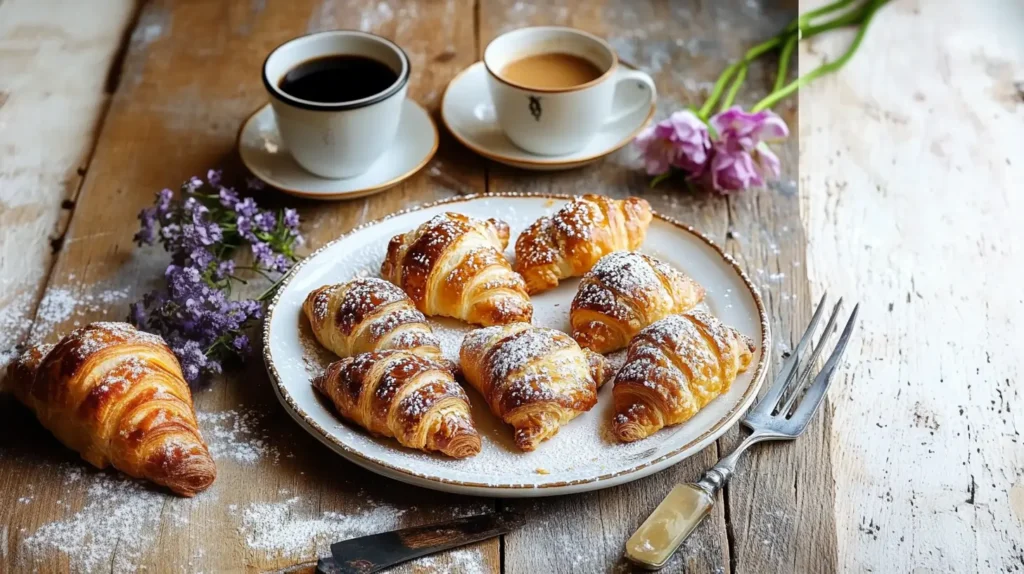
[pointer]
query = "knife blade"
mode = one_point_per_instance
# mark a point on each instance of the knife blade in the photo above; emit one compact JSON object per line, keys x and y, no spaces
{"x":368,"y":554}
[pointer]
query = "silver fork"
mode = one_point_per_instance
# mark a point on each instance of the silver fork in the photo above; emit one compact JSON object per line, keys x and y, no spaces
{"x":782,"y":414}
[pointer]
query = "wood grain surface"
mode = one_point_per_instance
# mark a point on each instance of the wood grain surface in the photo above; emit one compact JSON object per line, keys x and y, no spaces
{"x":911,"y":172}
{"x":180,"y":88}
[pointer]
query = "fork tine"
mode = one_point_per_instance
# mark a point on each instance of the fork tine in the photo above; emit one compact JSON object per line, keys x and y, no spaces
{"x":809,"y":405}
{"x":767,"y":403}
{"x":815,"y":353}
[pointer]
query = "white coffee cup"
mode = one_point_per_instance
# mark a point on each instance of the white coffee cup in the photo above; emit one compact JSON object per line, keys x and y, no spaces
{"x":337,"y":139}
{"x":558,"y":121}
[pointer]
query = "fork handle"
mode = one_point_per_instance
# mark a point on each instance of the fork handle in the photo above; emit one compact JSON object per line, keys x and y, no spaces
{"x":658,"y":538}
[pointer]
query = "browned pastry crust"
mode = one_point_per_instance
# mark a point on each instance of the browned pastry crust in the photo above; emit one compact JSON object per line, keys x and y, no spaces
{"x":533,"y":379}
{"x":453,"y":265}
{"x":366,"y":315}
{"x":403,"y":395}
{"x":625,"y":292}
{"x":571,"y":241}
{"x":673,"y":369}
{"x":117,"y":396}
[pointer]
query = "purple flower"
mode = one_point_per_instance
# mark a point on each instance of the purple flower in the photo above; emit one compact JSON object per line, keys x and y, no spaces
{"x":681,"y":141}
{"x":193,"y":185}
{"x":291,"y":220}
{"x":213,"y":177}
{"x":225,"y":268}
{"x":738,"y":129}
{"x":193,"y":360}
{"x":147,"y":227}
{"x":742,"y":158}
{"x":247,"y":207}
{"x":241,"y":343}
{"x":163,"y":202}
{"x":201,"y":230}
{"x":228,"y":197}
{"x":265,"y":221}
{"x":263,"y":254}
{"x":734,"y":171}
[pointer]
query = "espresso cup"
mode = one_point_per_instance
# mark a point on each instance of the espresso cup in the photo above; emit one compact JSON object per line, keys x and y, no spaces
{"x":556,"y":121}
{"x":344,"y":138}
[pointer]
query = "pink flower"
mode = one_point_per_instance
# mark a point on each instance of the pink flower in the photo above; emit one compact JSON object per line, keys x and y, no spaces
{"x":742,"y":159}
{"x":734,"y":171}
{"x":681,"y":141}
{"x":739,"y":130}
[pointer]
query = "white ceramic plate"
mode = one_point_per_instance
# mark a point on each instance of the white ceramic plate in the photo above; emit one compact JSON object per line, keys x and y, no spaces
{"x":267,"y":157}
{"x":468,"y":113}
{"x":583,"y":456}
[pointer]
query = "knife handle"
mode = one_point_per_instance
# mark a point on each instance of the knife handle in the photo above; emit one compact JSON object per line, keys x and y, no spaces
{"x":668,"y":526}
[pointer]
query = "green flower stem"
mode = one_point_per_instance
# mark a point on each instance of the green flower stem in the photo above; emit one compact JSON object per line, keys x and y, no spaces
{"x":784,"y":58}
{"x":803,"y":20}
{"x":869,"y":12}
{"x":723,"y":80}
{"x":800,"y":28}
{"x":731,"y":96}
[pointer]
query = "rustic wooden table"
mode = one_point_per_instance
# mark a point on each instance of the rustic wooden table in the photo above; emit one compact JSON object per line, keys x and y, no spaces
{"x":905,"y":202}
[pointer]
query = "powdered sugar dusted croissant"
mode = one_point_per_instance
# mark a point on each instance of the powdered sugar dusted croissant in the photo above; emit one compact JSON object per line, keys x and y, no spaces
{"x":367,"y":315}
{"x":403,"y":395}
{"x":453,"y":265}
{"x":625,"y":292}
{"x":571,"y":241}
{"x":533,"y":379}
{"x":117,"y":396}
{"x":673,"y":369}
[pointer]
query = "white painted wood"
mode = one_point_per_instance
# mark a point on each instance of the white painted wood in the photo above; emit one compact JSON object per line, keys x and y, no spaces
{"x":55,"y":57}
{"x":912,"y":182}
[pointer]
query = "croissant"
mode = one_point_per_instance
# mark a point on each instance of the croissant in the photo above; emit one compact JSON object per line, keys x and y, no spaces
{"x":625,"y":292}
{"x":368,"y":315}
{"x":532,"y":378}
{"x":673,"y":369}
{"x":570,"y":242}
{"x":117,"y":396}
{"x":453,"y":265}
{"x":403,"y":395}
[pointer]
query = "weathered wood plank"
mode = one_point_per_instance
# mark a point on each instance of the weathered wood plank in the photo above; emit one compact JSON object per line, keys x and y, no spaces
{"x":55,"y":60}
{"x":684,"y":46}
{"x":910,"y":182}
{"x":190,"y":77}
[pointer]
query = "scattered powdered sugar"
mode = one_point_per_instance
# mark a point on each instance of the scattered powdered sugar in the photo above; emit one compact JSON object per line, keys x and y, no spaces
{"x":60,"y":304}
{"x":459,"y":560}
{"x":284,"y":529}
{"x":237,"y":435}
{"x":117,"y":524}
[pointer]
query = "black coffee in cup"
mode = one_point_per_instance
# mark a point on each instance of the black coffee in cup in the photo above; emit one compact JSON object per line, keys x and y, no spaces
{"x":337,"y":78}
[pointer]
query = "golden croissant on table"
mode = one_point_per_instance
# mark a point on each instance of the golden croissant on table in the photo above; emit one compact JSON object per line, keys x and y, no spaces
{"x":403,"y":395}
{"x":366,"y":315}
{"x":625,"y":292}
{"x":452,"y":265}
{"x":574,"y":238}
{"x":534,"y":379}
{"x":117,"y":396}
{"x":673,"y":369}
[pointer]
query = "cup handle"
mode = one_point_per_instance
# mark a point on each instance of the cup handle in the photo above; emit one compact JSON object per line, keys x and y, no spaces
{"x":640,"y":93}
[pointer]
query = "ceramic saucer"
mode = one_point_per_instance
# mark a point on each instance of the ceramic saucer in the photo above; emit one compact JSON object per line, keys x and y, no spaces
{"x":266,"y":156}
{"x":468,"y":113}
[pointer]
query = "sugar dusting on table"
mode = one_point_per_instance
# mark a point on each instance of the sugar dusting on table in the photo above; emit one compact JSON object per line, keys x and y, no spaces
{"x":285,"y":529}
{"x":117,"y":523}
{"x":237,"y":435}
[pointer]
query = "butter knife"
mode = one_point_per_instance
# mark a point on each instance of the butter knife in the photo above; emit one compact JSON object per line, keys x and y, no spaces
{"x":373,"y":553}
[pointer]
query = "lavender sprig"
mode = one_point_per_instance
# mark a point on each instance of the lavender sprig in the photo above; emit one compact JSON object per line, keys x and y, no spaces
{"x":203,"y":229}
